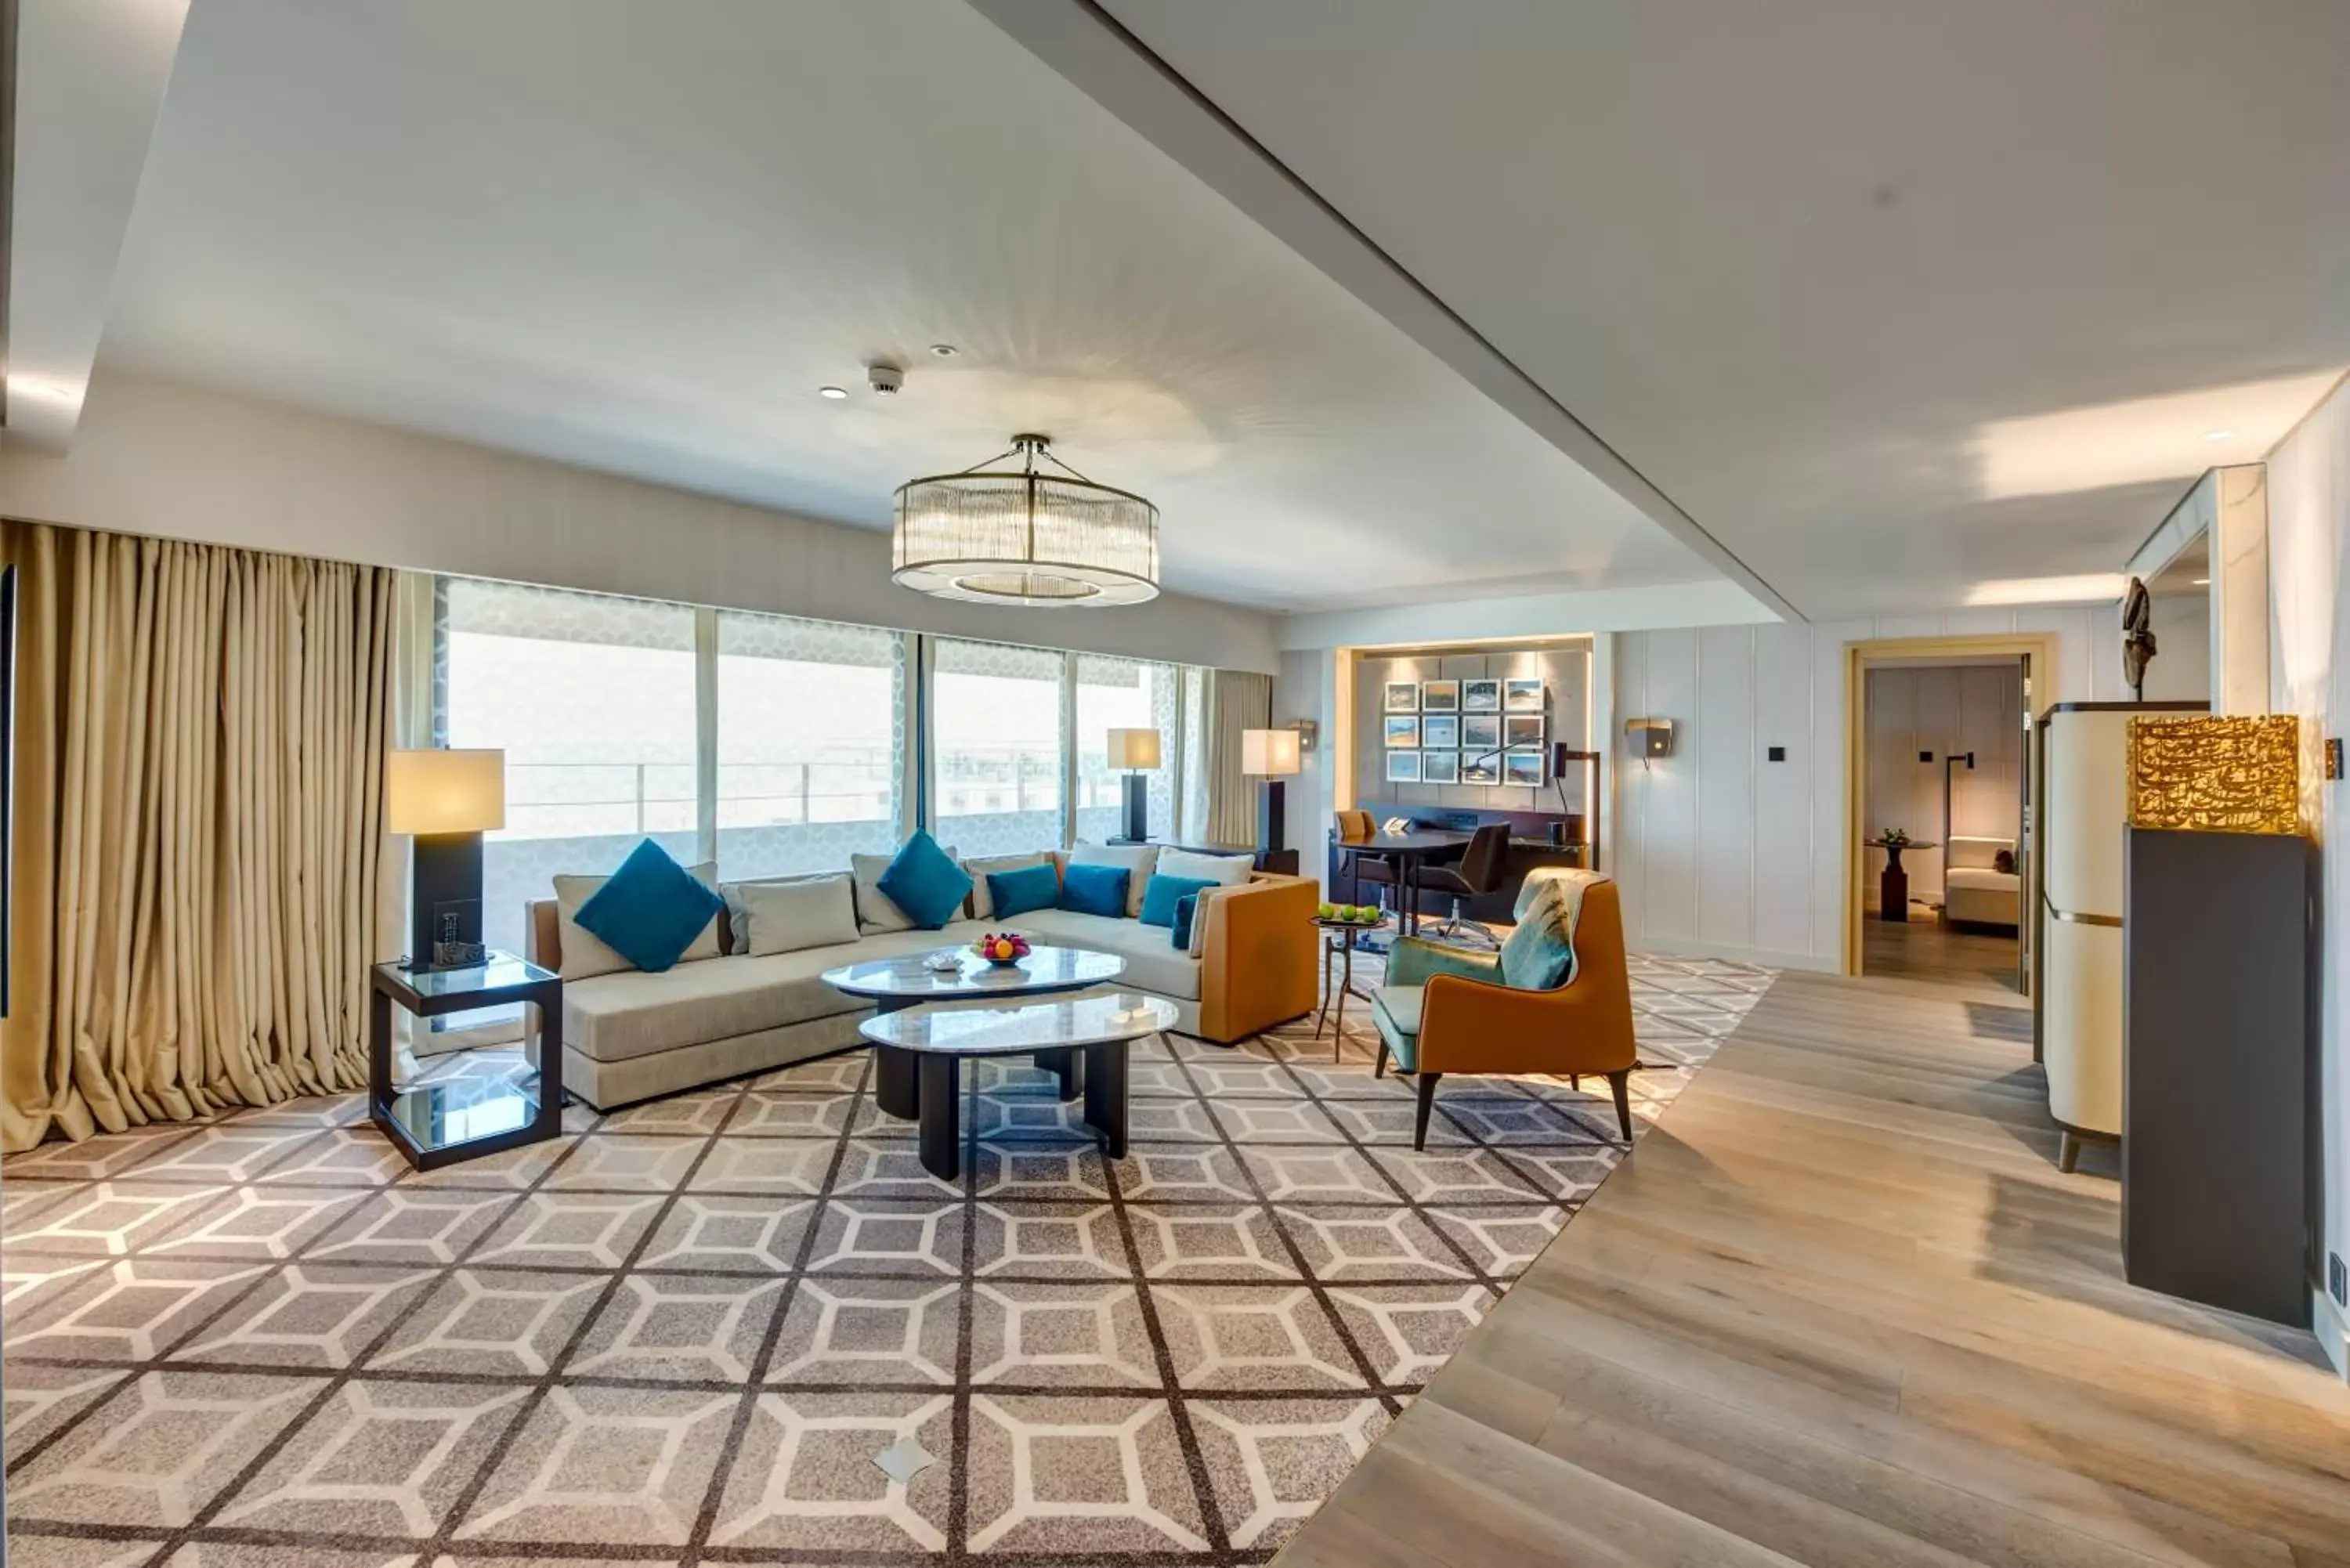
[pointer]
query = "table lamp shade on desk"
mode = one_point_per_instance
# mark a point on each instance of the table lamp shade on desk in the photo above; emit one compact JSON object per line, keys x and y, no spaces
{"x":445,"y":800}
{"x":1136,"y":752}
{"x":1271,"y":755}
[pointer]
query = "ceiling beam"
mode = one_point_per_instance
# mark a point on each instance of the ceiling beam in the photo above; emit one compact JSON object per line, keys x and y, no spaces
{"x":89,"y":81}
{"x":1090,"y":48}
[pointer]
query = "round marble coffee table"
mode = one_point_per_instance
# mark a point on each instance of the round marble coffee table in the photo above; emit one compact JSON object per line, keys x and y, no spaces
{"x":895,"y":983}
{"x":940,"y":1038}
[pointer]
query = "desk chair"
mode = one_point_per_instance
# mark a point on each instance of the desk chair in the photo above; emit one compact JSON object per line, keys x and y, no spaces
{"x":1354,"y":827}
{"x":1479,"y":872}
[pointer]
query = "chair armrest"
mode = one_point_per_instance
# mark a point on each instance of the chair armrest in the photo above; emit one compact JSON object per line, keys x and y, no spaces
{"x":1411,"y":961}
{"x":1474,"y":1026}
{"x":1257,"y":956}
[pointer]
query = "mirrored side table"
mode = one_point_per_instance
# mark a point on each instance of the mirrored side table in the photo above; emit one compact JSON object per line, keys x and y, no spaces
{"x":438,"y":1124}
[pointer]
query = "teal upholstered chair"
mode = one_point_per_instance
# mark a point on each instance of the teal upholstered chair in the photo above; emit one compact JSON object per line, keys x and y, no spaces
{"x":1557,"y":999}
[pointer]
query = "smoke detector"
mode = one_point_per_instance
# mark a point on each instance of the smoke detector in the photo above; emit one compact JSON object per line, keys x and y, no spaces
{"x":884,"y":378}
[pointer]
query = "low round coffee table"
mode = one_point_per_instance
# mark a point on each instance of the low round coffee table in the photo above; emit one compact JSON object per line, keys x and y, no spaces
{"x":939,"y":1039}
{"x":895,"y":983}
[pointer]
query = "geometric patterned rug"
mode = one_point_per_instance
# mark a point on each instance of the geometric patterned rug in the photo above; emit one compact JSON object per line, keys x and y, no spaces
{"x":683,"y":1332}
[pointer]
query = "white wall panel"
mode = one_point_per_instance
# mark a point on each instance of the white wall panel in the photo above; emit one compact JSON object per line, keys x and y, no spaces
{"x":1722,"y":748}
{"x":1784,"y":853}
{"x":1669,"y":786}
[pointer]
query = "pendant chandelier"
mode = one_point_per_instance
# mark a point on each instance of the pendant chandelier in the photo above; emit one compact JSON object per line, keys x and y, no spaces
{"x":1025,"y":535}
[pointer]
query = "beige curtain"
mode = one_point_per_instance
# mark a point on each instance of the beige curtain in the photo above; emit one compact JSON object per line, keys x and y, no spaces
{"x":1237,"y":699}
{"x":199,"y":757}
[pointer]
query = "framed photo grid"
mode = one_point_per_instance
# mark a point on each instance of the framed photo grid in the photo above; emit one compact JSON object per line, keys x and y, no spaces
{"x":1523,"y":696}
{"x":1403,"y":696}
{"x":1403,"y":767}
{"x":1439,"y":695}
{"x":1439,"y":767}
{"x":1481,"y":696}
{"x":1402,"y":734}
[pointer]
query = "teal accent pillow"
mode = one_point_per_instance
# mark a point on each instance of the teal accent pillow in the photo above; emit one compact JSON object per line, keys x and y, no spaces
{"x":1187,"y":910}
{"x":1161,"y":893}
{"x":1029,"y":888}
{"x":1537,"y":957}
{"x":1096,"y":890}
{"x":651,"y":909}
{"x":925,"y":882}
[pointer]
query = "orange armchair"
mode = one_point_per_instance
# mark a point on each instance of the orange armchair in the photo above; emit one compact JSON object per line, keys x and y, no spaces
{"x":1447,"y":1011}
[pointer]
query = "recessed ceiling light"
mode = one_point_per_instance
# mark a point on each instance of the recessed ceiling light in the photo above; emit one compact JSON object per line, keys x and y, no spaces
{"x":835,"y":393}
{"x":945,"y":350}
{"x":2217,"y":435}
{"x":2202,"y":582}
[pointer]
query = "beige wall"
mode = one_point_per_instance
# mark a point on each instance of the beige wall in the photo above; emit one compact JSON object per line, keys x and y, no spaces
{"x":2309,"y":663}
{"x":155,"y":457}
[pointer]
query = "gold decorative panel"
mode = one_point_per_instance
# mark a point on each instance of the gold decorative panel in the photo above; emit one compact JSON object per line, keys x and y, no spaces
{"x":2216,"y":774}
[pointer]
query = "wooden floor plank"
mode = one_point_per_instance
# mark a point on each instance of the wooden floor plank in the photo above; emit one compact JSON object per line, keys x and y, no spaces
{"x":1839,"y":1307}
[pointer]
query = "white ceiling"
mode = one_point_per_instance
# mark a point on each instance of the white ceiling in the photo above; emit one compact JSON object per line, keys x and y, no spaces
{"x":1896,"y":298}
{"x":638,"y":237}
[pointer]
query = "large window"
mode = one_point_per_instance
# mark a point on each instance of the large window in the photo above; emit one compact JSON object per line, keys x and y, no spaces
{"x":810,"y":734}
{"x":592,"y":699}
{"x":1123,"y":694}
{"x":776,"y":745}
{"x":997,"y":759}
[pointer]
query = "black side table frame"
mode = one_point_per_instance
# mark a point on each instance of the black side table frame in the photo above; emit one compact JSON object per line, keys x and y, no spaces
{"x":439,"y":1124}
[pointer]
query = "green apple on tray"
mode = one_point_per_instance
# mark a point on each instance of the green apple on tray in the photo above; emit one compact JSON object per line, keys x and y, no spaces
{"x":1349,"y":914}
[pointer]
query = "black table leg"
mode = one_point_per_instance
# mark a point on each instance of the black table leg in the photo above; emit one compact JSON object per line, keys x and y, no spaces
{"x":1066,"y":1065}
{"x":1105,"y":1094}
{"x":941,"y":1134}
{"x":895,"y":1083}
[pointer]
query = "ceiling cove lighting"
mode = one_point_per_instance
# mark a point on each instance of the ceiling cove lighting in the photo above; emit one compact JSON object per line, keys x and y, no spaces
{"x":1025,"y":535}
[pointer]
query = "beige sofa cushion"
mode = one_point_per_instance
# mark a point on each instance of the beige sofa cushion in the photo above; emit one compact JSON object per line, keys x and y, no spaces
{"x":585,"y":955}
{"x":1223,"y":870}
{"x":1152,"y":961}
{"x":788,"y":914}
{"x":615,"y":1017}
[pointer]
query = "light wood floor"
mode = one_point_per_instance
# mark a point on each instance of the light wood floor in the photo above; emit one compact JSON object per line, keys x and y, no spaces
{"x":1926,"y":950}
{"x":1838,"y":1307}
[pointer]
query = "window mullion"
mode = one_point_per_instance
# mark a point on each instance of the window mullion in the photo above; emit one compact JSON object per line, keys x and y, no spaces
{"x":1068,"y":750}
{"x":705,"y":734}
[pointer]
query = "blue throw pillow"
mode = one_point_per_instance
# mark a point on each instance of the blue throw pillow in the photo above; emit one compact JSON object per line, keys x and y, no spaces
{"x":926,"y":883}
{"x":1187,"y":910}
{"x":1018,"y":892}
{"x":1096,"y":890}
{"x":1161,"y":893}
{"x":651,"y":909}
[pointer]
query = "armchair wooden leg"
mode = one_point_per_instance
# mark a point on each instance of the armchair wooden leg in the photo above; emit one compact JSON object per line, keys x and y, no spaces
{"x":1379,"y":1068}
{"x":1622,"y":1082}
{"x":1427,"y":1103}
{"x":1575,"y":1082}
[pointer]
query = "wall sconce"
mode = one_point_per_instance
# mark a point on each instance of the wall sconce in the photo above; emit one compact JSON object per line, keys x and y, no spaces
{"x":1308,"y":732}
{"x":1649,"y":738}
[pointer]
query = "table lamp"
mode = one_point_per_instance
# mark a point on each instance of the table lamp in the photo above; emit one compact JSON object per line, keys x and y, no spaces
{"x":1135,"y":751}
{"x":1271,"y":755}
{"x":445,"y":800}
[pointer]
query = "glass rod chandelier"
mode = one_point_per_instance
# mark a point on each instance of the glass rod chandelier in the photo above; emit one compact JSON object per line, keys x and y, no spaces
{"x":1025,"y":536}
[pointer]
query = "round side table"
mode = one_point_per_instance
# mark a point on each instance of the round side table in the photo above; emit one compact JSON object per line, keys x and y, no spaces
{"x":1338,"y":941}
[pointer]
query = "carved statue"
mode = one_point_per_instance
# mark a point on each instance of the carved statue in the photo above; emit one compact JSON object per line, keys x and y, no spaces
{"x":2137,"y":638}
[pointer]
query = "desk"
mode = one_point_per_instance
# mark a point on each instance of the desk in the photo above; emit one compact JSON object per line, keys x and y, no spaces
{"x":1411,"y":851}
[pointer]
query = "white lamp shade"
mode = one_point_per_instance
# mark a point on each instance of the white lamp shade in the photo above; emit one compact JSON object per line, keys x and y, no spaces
{"x":1269,"y":753}
{"x":1134,"y":749}
{"x":445,"y":791}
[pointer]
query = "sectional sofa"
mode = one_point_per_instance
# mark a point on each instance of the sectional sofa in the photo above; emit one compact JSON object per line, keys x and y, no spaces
{"x":632,"y":1034}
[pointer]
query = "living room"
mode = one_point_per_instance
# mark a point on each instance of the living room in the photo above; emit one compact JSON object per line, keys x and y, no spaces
{"x":882,"y":785}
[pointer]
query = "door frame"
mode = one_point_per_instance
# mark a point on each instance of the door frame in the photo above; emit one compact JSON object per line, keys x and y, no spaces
{"x":2039,"y":648}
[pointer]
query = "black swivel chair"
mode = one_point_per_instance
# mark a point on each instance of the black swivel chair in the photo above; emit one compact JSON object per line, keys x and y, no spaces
{"x":1478,"y":872}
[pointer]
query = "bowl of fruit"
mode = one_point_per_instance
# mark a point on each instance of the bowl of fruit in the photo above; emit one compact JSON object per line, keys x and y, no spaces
{"x":1002,"y":949}
{"x":1364,"y":915}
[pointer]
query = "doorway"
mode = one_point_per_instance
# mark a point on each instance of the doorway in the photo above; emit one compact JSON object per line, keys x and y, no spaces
{"x":1940,"y":756}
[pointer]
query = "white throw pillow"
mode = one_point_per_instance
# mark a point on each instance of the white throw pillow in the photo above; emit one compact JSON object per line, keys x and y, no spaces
{"x":876,"y":911}
{"x":1199,"y":919}
{"x":982,"y":902}
{"x":790,"y":914}
{"x":1139,"y":859}
{"x":585,"y":954}
{"x":1223,"y":870}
